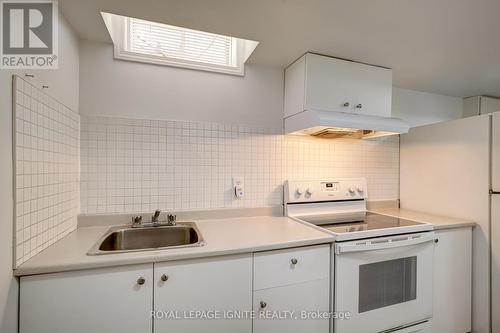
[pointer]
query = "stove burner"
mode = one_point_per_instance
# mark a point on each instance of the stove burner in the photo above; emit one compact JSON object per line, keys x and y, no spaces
{"x":369,"y":221}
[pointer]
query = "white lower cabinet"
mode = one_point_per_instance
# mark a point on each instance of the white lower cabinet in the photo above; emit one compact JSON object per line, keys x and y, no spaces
{"x":118,"y":299}
{"x":452,"y":281}
{"x":290,"y":303}
{"x":121,"y":299}
{"x":200,"y":293}
{"x":290,"y":284}
{"x":185,"y":296}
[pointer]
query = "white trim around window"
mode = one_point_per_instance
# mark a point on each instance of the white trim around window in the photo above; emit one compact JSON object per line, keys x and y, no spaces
{"x":161,"y":44}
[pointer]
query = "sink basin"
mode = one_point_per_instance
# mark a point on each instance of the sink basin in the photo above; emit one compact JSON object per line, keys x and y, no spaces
{"x":127,"y":239}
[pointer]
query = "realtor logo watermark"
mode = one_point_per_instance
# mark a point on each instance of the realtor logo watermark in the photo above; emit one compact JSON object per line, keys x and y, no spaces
{"x":29,"y":37}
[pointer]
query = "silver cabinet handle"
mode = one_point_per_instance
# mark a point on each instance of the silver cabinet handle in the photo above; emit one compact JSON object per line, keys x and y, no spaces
{"x":359,"y":106}
{"x":141,"y":281}
{"x":263,"y":304}
{"x":346,"y":104}
{"x":294,"y":261}
{"x":164,"y":277}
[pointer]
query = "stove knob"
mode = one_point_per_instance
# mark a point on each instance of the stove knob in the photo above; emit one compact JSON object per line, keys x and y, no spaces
{"x":360,"y":189}
{"x":298,"y":191}
{"x":352,"y":190}
{"x":309,"y":192}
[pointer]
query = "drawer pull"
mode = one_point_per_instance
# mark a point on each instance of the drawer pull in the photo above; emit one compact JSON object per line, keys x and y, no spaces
{"x":294,"y":261}
{"x":164,"y":277}
{"x":263,"y":304}
{"x":141,"y":281}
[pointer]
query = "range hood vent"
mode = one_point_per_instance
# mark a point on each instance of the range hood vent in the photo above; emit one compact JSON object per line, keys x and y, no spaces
{"x":328,"y":124}
{"x":335,"y":98}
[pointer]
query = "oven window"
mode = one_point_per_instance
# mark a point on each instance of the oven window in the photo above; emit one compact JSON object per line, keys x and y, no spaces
{"x":387,"y":283}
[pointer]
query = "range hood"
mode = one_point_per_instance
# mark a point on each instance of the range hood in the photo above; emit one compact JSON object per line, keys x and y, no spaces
{"x":330,"y":124}
{"x":337,"y":98}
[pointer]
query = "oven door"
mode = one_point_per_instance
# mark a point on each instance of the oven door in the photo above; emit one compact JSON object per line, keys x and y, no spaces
{"x":384,"y":283}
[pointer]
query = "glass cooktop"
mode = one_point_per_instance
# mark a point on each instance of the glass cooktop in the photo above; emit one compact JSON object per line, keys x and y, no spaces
{"x":360,"y":222}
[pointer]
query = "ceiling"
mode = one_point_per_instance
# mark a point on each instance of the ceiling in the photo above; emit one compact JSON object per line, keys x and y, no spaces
{"x":449,"y":47}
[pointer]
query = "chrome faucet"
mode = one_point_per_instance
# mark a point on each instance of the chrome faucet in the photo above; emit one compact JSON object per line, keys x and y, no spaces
{"x":155,"y":220}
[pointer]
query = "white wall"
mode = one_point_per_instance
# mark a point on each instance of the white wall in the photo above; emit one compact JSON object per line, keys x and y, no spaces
{"x":128,"y":89}
{"x":63,"y":85}
{"x":420,"y":108}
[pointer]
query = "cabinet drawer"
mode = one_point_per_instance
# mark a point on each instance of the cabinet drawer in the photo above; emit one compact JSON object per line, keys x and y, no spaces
{"x":283,"y":267}
{"x":299,"y":302}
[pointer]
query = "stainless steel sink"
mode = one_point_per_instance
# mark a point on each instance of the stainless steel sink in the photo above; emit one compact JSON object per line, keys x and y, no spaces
{"x":126,"y":239}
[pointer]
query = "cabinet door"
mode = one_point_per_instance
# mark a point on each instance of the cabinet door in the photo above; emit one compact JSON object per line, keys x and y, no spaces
{"x":332,"y":82}
{"x":489,"y":105}
{"x":215,"y":286}
{"x":452,"y":281}
{"x":97,"y":301}
{"x":291,"y":302}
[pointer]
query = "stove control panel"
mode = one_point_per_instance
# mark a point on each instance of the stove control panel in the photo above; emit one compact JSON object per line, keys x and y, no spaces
{"x":325,"y":190}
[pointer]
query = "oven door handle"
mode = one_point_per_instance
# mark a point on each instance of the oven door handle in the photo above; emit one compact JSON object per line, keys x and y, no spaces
{"x":384,"y":243}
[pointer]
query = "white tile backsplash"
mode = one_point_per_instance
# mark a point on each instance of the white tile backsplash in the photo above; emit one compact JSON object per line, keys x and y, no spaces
{"x":136,"y":165}
{"x":46,"y":166}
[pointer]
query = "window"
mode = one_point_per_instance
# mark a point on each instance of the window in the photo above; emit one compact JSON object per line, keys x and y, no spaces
{"x":387,"y":283}
{"x":157,"y":43}
{"x":184,"y":44}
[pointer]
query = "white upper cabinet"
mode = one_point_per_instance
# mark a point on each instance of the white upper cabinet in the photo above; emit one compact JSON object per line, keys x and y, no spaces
{"x":477,"y":105}
{"x":316,"y":82}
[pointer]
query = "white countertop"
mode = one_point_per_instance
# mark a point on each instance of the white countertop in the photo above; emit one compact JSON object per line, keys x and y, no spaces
{"x":439,"y":222}
{"x":222,"y":237}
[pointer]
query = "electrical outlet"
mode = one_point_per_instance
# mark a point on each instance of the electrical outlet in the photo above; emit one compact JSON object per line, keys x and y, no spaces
{"x":239,"y":187}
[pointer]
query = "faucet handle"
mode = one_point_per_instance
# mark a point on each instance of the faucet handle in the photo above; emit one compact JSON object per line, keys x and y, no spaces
{"x":136,"y":220}
{"x":171,"y":219}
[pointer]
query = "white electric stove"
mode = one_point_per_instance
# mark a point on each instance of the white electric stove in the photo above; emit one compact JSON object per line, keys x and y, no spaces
{"x":382,"y":265}
{"x":339,"y":207}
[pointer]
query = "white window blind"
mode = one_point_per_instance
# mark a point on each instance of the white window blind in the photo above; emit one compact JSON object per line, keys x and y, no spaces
{"x":168,"y":41}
